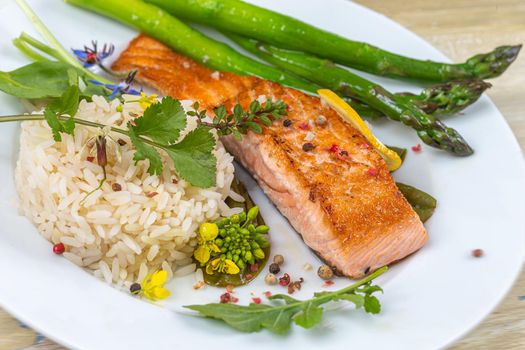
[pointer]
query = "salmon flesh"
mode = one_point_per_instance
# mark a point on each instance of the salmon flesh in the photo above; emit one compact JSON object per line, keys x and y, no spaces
{"x":318,"y":170}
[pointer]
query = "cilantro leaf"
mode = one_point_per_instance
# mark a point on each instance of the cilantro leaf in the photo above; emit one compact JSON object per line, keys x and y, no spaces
{"x":67,"y":104}
{"x":144,"y":151}
{"x":162,"y":121}
{"x":193,"y":157}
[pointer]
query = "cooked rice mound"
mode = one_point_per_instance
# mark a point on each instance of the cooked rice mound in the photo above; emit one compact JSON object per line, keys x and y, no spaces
{"x":121,"y":236}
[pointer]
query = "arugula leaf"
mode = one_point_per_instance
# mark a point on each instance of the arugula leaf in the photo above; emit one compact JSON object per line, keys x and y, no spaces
{"x":67,"y":104}
{"x":278,"y":318}
{"x":162,"y":122}
{"x":144,"y":151}
{"x":310,"y":316}
{"x":37,"y":80}
{"x":372,"y":304}
{"x":193,"y":157}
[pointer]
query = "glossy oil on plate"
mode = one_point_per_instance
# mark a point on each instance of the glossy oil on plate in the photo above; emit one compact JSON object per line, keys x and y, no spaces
{"x":431,"y":299}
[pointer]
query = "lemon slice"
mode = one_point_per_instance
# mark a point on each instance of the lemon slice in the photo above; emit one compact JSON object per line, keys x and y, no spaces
{"x":344,"y":110}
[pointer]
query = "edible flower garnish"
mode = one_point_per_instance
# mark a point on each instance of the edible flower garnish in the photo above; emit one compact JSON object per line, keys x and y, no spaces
{"x":231,"y":244}
{"x":145,"y":101}
{"x":208,"y":232}
{"x":124,"y":87}
{"x":152,"y":286}
{"x":91,"y":56}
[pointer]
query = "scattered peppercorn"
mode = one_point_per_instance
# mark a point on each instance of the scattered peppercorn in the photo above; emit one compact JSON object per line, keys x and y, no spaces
{"x":308,"y":146}
{"x":256,"y":300}
{"x":344,"y":153}
{"x":372,"y":171}
{"x":328,"y":283}
{"x":90,"y":158}
{"x":416,"y":148}
{"x":285,"y":280}
{"x":116,"y":187}
{"x":304,"y":126}
{"x":278,"y":259}
{"x":135,"y":288}
{"x":174,"y":181}
{"x":152,"y":194}
{"x":270,"y":279}
{"x":292,"y":287}
{"x":59,"y":248}
{"x":121,"y":142}
{"x":321,"y":120}
{"x":287,"y":122}
{"x":267,"y":294}
{"x":225,"y":298}
{"x":325,"y":272}
{"x":274,"y":268}
{"x":477,"y":253}
{"x":248,"y":276}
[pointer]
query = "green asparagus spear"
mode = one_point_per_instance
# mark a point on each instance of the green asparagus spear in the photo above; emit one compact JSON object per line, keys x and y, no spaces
{"x":323,"y":72}
{"x":423,"y":203}
{"x":437,"y":100}
{"x":184,"y":39}
{"x":274,"y":28}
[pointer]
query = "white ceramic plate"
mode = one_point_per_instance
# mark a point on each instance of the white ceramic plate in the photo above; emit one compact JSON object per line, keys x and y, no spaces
{"x":431,"y":298}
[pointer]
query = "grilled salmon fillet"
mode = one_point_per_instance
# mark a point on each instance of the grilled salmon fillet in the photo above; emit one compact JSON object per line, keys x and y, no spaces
{"x":332,"y":186}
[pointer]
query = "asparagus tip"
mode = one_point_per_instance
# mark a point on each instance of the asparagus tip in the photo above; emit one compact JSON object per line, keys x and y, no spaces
{"x":494,"y":63}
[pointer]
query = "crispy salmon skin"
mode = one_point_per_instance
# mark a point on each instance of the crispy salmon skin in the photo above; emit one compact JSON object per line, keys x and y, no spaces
{"x":324,"y":177}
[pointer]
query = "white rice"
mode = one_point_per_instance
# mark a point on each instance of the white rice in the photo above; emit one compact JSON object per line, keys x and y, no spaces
{"x":119,"y":236}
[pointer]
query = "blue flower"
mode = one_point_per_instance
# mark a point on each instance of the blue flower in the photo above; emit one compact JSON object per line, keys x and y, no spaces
{"x":91,"y":56}
{"x":124,"y":87}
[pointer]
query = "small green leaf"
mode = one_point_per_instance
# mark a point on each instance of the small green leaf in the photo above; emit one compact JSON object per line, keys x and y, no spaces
{"x":255,"y":106}
{"x":372,"y":304}
{"x":358,"y":300}
{"x":286,"y":298}
{"x":256,"y":128}
{"x":67,"y":104}
{"x":193,"y":158}
{"x":144,"y":151}
{"x":265,"y":120}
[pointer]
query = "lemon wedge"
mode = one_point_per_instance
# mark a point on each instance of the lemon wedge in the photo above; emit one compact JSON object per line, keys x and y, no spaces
{"x":346,"y":112}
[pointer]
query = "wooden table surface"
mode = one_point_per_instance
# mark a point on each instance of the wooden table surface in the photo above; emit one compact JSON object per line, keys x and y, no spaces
{"x":458,"y":28}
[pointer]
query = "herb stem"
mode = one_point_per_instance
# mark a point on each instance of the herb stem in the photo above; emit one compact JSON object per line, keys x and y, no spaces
{"x":321,"y":299}
{"x":56,"y":50}
{"x":28,"y":39}
{"x":23,"y":47}
{"x":29,"y":117}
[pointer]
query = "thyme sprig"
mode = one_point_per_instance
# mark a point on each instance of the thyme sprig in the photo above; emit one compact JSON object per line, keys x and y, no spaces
{"x":239,"y":121}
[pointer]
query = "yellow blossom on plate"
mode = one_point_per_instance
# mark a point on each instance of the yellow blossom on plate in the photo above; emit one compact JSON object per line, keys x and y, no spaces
{"x":222,"y":266}
{"x":145,"y":101}
{"x":153,"y":286}
{"x":208,"y":232}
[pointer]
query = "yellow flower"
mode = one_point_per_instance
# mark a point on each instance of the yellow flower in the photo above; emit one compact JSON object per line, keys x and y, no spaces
{"x":208,"y":232}
{"x":222,"y":266}
{"x":153,"y":286}
{"x":145,"y":101}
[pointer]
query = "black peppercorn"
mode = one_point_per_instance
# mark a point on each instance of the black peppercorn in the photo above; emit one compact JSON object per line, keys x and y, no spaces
{"x":135,"y":288}
{"x":274,"y":268}
{"x":287,"y":122}
{"x":116,"y":187}
{"x":308,"y":147}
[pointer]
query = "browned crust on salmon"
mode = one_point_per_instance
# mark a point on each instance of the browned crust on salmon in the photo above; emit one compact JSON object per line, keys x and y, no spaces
{"x":339,"y":196}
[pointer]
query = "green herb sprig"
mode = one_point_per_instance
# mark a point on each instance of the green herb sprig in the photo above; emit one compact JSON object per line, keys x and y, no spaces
{"x":306,"y":314}
{"x":240,"y":121}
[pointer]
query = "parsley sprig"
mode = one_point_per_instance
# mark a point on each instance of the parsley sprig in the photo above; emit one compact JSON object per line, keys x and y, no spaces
{"x":278,"y":318}
{"x":240,"y":121}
